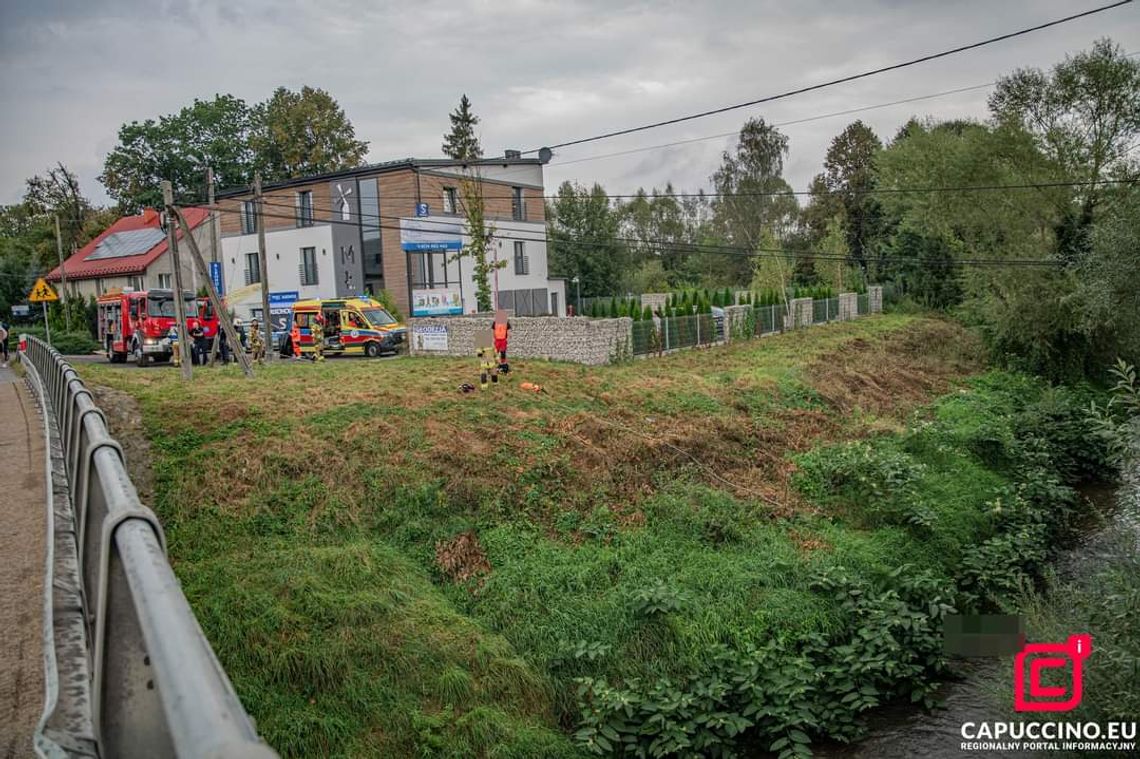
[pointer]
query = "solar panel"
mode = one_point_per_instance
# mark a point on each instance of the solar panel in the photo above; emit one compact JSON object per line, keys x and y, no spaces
{"x":121,"y":244}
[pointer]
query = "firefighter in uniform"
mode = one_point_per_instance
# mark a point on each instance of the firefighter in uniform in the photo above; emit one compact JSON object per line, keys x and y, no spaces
{"x":256,"y":346}
{"x":295,"y":337}
{"x":487,"y":369}
{"x":172,"y":336}
{"x":318,"y":332}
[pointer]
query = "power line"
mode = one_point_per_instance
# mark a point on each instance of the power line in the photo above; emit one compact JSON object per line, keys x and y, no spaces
{"x":703,"y":247}
{"x":833,"y":82}
{"x":788,"y":193}
{"x":804,"y":120}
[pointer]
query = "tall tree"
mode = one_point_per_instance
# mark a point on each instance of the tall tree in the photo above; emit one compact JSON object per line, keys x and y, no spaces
{"x":180,"y":147}
{"x":584,"y":239}
{"x":849,"y":176}
{"x":480,"y":233}
{"x":753,"y":196}
{"x":1086,"y":116}
{"x":657,"y":224}
{"x":461,"y":142}
{"x":301,"y":133}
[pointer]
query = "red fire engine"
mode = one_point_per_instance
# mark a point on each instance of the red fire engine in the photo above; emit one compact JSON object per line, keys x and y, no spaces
{"x":137,"y":323}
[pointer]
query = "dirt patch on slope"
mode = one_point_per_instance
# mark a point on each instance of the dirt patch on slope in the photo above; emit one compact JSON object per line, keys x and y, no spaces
{"x":125,"y":421}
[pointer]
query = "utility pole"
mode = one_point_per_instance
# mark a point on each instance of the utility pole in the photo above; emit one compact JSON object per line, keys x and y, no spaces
{"x":219,"y":308}
{"x":62,"y":276}
{"x":213,"y":252}
{"x":184,"y":347}
{"x":263,"y":265}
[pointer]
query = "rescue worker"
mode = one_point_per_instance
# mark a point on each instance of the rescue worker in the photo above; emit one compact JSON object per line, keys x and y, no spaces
{"x":295,"y":337}
{"x":501,"y":331}
{"x":172,"y":336}
{"x":199,"y":347}
{"x":256,"y":346}
{"x":318,"y":332}
{"x":486,"y":367}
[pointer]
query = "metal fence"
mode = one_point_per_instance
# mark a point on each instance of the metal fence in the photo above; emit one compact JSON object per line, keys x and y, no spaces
{"x":156,"y":688}
{"x":659,"y":335}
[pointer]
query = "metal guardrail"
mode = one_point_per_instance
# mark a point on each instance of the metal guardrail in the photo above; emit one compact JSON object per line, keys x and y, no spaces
{"x":156,"y":688}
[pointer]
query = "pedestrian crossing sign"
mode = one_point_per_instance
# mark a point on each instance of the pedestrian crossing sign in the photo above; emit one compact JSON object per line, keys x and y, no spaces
{"x":42,"y":292}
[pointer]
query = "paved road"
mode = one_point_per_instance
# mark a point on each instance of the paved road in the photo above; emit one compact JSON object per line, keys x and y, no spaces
{"x":23,"y":534}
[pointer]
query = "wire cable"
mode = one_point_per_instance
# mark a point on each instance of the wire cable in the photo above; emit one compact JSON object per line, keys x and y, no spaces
{"x":834,"y":82}
{"x":680,"y":246}
{"x":805,"y":120}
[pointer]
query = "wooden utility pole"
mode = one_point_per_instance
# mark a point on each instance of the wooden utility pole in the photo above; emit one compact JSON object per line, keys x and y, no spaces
{"x":62,"y":275}
{"x":184,"y":347}
{"x":216,"y":301}
{"x":263,"y":265}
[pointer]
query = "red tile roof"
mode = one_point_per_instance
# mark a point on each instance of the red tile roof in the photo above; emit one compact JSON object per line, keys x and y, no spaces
{"x":78,"y":268}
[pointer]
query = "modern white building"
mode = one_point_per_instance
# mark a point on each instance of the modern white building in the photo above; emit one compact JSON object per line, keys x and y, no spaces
{"x":395,"y":226}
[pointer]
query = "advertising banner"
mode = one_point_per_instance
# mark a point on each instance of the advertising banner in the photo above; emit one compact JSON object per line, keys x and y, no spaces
{"x":430,"y":234}
{"x":216,"y":277}
{"x":440,"y":301}
{"x":429,"y":337}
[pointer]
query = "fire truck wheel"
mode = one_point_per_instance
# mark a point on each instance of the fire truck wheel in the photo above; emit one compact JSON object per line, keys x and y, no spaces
{"x":372,"y":349}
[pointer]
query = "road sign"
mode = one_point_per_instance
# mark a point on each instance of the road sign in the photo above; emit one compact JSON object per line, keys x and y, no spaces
{"x":42,"y":292}
{"x":422,"y":209}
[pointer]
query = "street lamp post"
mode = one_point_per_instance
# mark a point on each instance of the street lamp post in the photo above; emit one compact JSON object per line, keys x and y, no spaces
{"x":578,"y":285}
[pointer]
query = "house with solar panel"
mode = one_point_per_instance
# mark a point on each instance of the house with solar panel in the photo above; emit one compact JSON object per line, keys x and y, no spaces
{"x":132,"y":254}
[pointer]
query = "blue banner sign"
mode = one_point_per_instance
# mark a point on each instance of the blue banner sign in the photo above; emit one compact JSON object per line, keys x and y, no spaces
{"x":216,"y":277}
{"x":289,"y":296}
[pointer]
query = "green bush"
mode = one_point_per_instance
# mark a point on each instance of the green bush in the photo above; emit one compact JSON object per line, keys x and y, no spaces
{"x":67,"y":343}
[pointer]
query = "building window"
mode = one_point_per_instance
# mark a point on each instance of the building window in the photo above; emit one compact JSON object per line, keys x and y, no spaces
{"x":135,"y":282}
{"x":164,"y":282}
{"x":248,"y":217}
{"x":518,"y":207}
{"x":522,"y":263}
{"x":308,"y":266}
{"x":252,"y":269}
{"x":450,"y":200}
{"x":305,"y":209}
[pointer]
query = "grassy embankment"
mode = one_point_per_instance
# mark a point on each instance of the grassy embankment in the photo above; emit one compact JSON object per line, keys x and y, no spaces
{"x":388,"y":567}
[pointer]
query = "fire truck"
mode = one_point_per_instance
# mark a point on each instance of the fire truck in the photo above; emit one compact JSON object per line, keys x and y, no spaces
{"x":136,"y":323}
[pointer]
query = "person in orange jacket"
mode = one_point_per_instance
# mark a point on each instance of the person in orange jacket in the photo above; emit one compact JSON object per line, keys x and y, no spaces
{"x":501,"y":331}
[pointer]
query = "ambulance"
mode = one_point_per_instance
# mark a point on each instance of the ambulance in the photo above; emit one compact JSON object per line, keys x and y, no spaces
{"x":352,"y":326}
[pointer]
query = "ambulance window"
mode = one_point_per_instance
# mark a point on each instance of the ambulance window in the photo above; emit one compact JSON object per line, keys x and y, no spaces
{"x":378,"y":317}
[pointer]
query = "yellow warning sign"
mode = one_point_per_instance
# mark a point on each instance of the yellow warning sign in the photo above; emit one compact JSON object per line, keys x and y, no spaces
{"x":42,"y":292}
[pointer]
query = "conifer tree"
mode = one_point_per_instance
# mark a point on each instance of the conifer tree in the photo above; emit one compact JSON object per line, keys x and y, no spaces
{"x":461,"y":142}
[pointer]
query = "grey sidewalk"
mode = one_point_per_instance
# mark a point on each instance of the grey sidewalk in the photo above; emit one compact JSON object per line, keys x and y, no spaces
{"x":23,"y":532}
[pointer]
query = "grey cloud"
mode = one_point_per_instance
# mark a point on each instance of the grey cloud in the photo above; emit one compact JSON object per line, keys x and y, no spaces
{"x":538,"y":71}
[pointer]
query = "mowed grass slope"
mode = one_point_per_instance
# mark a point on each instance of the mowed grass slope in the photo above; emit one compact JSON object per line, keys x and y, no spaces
{"x":388,"y":567}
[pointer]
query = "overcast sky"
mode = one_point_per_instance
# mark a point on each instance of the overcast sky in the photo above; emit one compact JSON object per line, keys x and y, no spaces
{"x":538,"y":72}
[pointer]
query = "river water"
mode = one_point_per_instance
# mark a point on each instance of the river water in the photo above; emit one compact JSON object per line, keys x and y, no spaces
{"x":981,"y":687}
